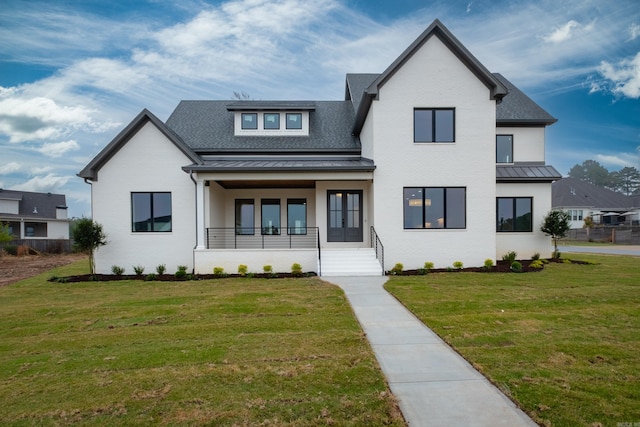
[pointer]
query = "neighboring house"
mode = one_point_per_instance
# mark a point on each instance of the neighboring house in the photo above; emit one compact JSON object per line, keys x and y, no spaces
{"x":582,"y":199}
{"x":436,"y":159}
{"x":34,"y":215}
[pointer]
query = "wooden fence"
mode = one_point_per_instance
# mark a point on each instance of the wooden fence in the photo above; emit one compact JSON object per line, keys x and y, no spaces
{"x":50,"y":246}
{"x":624,"y":235}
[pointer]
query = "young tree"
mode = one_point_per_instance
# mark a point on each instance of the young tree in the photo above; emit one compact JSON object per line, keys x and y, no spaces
{"x":87,"y":237}
{"x":5,"y":234}
{"x":556,"y":224}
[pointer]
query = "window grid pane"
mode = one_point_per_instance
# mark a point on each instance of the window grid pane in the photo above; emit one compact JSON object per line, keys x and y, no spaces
{"x":434,"y":125}
{"x":244,"y":216}
{"x":504,"y":149}
{"x":151,"y":212}
{"x":270,"y":216}
{"x":434,"y":207}
{"x":514,"y":214}
{"x":297,"y":216}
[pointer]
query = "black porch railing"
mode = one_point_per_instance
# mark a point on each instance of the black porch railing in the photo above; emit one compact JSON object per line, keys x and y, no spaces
{"x":376,"y":244}
{"x":259,"y":238}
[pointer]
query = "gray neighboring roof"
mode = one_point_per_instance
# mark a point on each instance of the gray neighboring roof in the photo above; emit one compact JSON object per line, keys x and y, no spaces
{"x":91,"y":170}
{"x":574,"y":193}
{"x":437,"y":28}
{"x":207,"y":127}
{"x":526,"y":173}
{"x":518,"y":109}
{"x":45,"y":204}
{"x":282,"y":165}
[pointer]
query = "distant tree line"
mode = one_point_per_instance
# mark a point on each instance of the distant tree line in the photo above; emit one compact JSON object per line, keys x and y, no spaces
{"x":625,"y":181}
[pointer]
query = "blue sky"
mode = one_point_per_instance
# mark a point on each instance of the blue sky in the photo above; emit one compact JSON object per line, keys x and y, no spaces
{"x":74,"y":73}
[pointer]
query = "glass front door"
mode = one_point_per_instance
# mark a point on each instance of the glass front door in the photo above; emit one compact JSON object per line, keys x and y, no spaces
{"x":344,"y":216}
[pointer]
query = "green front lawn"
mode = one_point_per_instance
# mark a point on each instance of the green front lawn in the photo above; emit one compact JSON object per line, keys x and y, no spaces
{"x":564,"y":343}
{"x":222,"y":352}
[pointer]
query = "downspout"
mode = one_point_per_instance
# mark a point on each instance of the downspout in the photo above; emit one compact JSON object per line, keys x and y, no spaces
{"x":193,"y":252}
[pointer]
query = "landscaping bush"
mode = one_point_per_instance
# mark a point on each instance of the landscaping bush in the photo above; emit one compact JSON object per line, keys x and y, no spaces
{"x":11,"y":249}
{"x":296,"y":269}
{"x":242,"y":270}
{"x":181,"y":273}
{"x":458,"y":265}
{"x":161,"y":268}
{"x":488,"y":264}
{"x":397,"y":269}
{"x":138,"y":269}
{"x":219,"y":272}
{"x":117,"y":270}
{"x":150,"y":277}
{"x":510,"y":256}
{"x":516,"y":267}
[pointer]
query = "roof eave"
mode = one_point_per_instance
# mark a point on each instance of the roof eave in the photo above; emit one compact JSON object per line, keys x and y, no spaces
{"x":205,"y":168}
{"x":524,"y":122}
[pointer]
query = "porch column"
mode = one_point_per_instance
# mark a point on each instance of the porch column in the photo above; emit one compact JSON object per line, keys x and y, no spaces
{"x":200,"y":229}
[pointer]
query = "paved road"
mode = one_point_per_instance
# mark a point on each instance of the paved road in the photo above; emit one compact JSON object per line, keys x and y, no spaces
{"x":607,"y":250}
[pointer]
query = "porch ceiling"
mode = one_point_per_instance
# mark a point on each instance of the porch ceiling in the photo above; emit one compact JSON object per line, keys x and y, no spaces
{"x":255,"y":183}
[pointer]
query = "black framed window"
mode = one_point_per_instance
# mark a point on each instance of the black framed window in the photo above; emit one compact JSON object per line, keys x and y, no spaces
{"x":270,"y":216}
{"x":249,"y":120}
{"x":245,"y":216}
{"x":294,"y":120}
{"x":435,"y":207}
{"x":434,"y":125}
{"x":504,"y":148}
{"x":297,"y":216}
{"x":151,"y":212}
{"x":271,"y":120}
{"x":514,"y":214}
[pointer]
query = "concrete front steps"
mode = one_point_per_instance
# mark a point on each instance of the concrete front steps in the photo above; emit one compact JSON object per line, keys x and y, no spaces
{"x":350,"y":262}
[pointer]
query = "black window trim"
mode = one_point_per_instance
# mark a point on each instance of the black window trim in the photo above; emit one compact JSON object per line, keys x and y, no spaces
{"x":433,"y":125}
{"x":287,"y":121}
{"x":512,"y":146}
{"x":242,"y":116}
{"x":244,"y":231}
{"x":302,"y":201}
{"x":444,"y":201}
{"x":152,"y":216}
{"x":514,"y":199}
{"x":270,"y":202}
{"x":264,"y":121}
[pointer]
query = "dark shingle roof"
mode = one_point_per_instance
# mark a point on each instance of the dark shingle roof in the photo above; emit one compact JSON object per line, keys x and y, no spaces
{"x":207,"y":127}
{"x":517,"y":108}
{"x":572,"y":192}
{"x":271,"y":105}
{"x":34,"y":205}
{"x":355,"y":87}
{"x":526,"y":173}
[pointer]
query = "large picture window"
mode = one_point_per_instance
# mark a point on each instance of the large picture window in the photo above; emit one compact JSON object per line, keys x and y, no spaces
{"x":297,"y":216}
{"x":151,"y":212}
{"x":504,"y":148}
{"x":434,"y":125}
{"x":435,"y":207}
{"x":514,"y":214}
{"x":270,"y":216}
{"x":245,"y":215}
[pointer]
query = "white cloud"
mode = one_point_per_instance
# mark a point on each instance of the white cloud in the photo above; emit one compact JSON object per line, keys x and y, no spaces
{"x":623,"y":78}
{"x":561,"y":33}
{"x":10,"y":168}
{"x":634,"y":31}
{"x":25,"y":118}
{"x":43,"y":184}
{"x":619,"y":160}
{"x":57,"y":149}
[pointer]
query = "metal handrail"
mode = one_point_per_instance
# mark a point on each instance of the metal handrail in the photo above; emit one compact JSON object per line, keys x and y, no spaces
{"x":260,"y":238}
{"x":376,"y":244}
{"x":319,"y":255}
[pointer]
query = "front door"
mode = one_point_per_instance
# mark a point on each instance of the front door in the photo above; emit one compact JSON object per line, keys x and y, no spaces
{"x":344,"y":216}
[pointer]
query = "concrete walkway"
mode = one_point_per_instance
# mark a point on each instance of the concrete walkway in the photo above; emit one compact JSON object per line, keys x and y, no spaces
{"x":433,"y":384}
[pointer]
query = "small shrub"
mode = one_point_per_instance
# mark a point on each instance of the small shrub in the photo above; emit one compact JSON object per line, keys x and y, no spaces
{"x":535,"y":256}
{"x":267,"y":269}
{"x":181,"y":273}
{"x":536,"y":264}
{"x":458,"y":265}
{"x":296,"y":269}
{"x":11,"y":249}
{"x":510,"y":256}
{"x":160,"y":269}
{"x":516,"y":267}
{"x":488,"y":264}
{"x":219,"y":272}
{"x":397,"y":269}
{"x":138,"y":269}
{"x":251,"y":275}
{"x":428,"y":266}
{"x":242,"y":270}
{"x":422,"y":271}
{"x":556,"y":254}
{"x":150,"y":277}
{"x":117,"y":270}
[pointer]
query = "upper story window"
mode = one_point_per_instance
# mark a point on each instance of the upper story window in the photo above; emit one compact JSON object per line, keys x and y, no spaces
{"x":294,"y":120}
{"x":504,"y":148}
{"x":271,"y":120}
{"x":249,"y":120}
{"x":434,"y":125}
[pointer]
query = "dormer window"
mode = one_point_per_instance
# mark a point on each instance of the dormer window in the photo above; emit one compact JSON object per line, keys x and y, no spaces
{"x":294,"y":120}
{"x":249,"y":121}
{"x":272,"y":118}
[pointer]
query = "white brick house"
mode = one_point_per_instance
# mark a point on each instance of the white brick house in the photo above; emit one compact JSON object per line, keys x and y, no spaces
{"x":436,"y":159}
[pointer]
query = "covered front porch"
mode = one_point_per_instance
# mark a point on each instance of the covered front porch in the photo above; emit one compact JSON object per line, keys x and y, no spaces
{"x":266,"y":218}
